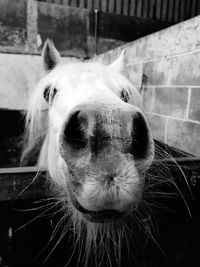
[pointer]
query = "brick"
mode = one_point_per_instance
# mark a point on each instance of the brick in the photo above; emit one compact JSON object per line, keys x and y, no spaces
{"x":186,"y":70}
{"x":180,"y":38}
{"x":170,"y":101}
{"x":148,"y":98}
{"x":134,"y":74}
{"x":157,"y":72}
{"x":184,"y":135}
{"x":194,"y":111}
{"x":157,"y":125}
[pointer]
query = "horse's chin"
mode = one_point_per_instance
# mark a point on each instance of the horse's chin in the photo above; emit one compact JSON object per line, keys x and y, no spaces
{"x":104,"y":216}
{"x":100,"y":216}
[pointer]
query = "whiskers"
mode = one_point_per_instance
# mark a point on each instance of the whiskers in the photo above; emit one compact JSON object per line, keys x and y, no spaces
{"x":102,"y":244}
{"x":162,"y":184}
{"x":166,"y":193}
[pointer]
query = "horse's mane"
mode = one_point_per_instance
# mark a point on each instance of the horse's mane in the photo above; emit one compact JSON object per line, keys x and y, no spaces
{"x":37,"y":113}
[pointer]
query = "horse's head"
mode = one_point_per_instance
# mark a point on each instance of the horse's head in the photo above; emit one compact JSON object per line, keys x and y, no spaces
{"x":98,"y":144}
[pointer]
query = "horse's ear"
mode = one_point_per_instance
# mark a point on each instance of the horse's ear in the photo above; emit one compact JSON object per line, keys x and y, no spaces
{"x":118,"y":64}
{"x":50,"y":55}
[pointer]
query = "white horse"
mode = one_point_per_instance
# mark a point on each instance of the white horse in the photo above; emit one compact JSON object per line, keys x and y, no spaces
{"x":96,"y":144}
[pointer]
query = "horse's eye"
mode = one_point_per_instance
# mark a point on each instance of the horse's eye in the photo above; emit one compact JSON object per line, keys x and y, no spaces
{"x":53,"y":93}
{"x":124,"y":96}
{"x":47,"y":93}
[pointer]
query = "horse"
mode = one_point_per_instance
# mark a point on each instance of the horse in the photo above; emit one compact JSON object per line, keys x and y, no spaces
{"x":95,"y":143}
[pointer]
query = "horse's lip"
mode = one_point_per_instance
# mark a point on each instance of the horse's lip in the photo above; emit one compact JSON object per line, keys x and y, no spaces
{"x":100,"y":216}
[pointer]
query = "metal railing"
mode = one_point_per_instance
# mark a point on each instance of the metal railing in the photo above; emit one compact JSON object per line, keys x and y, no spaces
{"x":166,"y":10}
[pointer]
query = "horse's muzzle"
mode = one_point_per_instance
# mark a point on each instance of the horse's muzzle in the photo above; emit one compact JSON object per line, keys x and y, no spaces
{"x":92,"y":129}
{"x":107,"y":150}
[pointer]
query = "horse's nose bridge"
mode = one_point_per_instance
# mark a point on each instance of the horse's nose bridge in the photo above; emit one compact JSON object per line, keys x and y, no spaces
{"x":94,"y":116}
{"x":103,"y":120}
{"x":110,"y":115}
{"x":110,"y":122}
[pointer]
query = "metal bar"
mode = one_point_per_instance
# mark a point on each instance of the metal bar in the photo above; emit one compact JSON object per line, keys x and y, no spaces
{"x":66,"y":2}
{"x":97,"y":4}
{"x":90,"y":4}
{"x":104,"y":6}
{"x":125,"y":7}
{"x":82,"y":4}
{"x":170,"y":11}
{"x":74,"y":3}
{"x":20,"y":170}
{"x":193,"y":8}
{"x":164,"y":10}
{"x":34,"y":169}
{"x":139,"y":8}
{"x":181,"y":10}
{"x":187,"y":12}
{"x":132,"y":7}
{"x":23,"y":184}
{"x":111,"y":6}
{"x":28,"y":183}
{"x":158,"y":9}
{"x":151,"y":8}
{"x":176,"y":11}
{"x":96,"y":29}
{"x":179,"y":160}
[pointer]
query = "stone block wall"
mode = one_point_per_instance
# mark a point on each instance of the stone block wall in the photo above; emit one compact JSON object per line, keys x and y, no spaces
{"x":170,"y":62}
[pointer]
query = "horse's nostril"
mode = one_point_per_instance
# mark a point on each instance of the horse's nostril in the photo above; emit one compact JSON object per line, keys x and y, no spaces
{"x":74,"y":131}
{"x":140,"y":137}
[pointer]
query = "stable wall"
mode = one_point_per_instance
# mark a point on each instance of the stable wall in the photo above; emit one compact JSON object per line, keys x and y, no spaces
{"x":25,"y":25}
{"x":169,"y":64}
{"x":18,"y":76}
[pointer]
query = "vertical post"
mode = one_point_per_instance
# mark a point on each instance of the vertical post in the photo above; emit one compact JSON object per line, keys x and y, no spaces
{"x":32,"y":29}
{"x":96,"y":29}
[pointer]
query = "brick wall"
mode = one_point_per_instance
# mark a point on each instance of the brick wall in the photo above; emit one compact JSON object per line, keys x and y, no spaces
{"x":170,"y":61}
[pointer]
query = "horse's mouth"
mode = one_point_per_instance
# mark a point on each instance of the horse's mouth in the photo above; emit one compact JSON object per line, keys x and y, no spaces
{"x":101,"y":216}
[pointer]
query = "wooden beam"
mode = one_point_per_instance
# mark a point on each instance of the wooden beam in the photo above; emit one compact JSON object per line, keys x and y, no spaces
{"x":23,"y":183}
{"x":132,"y":8}
{"x":33,"y":183}
{"x":119,"y":7}
{"x":32,"y":28}
{"x":111,"y":5}
{"x":164,"y":10}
